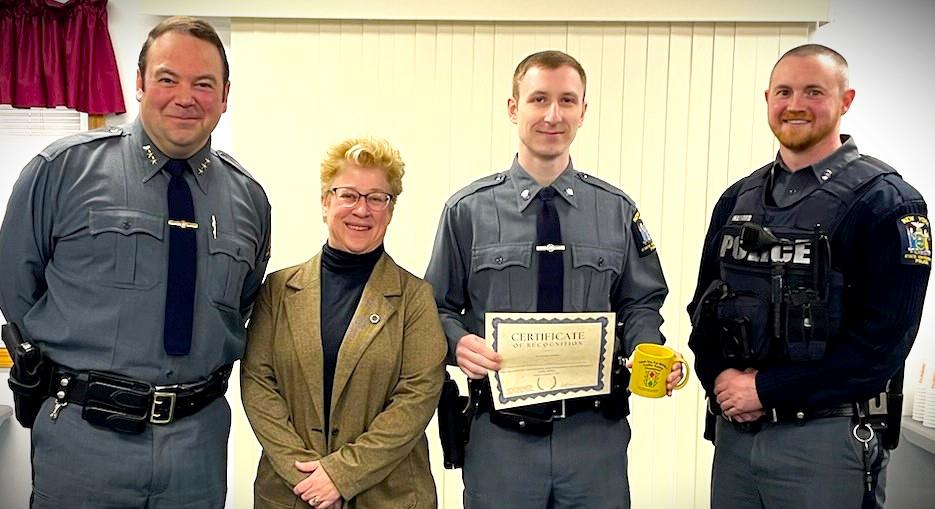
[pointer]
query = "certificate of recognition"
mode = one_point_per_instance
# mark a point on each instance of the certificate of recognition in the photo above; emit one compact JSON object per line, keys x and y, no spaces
{"x":550,"y":356}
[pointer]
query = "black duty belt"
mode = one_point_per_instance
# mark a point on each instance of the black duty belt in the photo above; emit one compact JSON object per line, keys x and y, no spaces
{"x":775,"y":415}
{"x":127,"y":405}
{"x":532,"y":419}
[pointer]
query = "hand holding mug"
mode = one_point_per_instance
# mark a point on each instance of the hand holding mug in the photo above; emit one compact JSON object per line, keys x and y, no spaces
{"x":652,"y":365}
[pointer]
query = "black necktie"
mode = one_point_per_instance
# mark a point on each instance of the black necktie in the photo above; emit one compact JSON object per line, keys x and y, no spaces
{"x":180,"y":282}
{"x":551,"y":272}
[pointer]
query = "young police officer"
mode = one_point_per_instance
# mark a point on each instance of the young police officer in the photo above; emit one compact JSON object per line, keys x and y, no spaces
{"x":808,"y":300}
{"x":571,"y":453}
{"x":131,"y":257}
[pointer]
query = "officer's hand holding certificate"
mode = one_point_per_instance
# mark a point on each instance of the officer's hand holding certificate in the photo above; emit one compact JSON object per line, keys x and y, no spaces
{"x":550,"y":356}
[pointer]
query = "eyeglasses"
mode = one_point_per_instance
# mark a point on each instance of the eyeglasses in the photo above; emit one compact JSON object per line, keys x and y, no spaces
{"x":348,"y":198}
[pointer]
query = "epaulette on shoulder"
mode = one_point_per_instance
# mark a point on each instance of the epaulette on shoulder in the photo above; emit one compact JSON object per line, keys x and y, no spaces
{"x":229,"y":159}
{"x":878,"y":164}
{"x":57,"y":147}
{"x":482,"y":183}
{"x":587,"y":178}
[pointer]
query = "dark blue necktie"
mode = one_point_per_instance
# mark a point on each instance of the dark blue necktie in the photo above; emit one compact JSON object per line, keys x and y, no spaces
{"x":551,"y":272}
{"x":180,"y":282}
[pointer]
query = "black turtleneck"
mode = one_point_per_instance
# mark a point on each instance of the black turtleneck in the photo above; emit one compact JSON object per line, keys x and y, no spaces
{"x":343,"y":276}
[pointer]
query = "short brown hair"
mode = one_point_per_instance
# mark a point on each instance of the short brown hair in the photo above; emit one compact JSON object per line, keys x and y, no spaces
{"x":192,"y":26}
{"x":550,"y":59}
{"x":366,"y":152}
{"x":810,"y":50}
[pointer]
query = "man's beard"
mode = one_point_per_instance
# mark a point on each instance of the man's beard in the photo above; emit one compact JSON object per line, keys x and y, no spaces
{"x":800,"y":139}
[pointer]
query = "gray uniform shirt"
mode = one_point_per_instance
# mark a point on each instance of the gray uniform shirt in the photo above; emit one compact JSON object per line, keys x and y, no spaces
{"x":484,"y":257}
{"x":787,"y":187}
{"x":84,"y":252}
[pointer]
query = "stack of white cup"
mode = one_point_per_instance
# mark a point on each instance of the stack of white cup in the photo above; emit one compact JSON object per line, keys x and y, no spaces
{"x":920,"y":398}
{"x":928,"y":418}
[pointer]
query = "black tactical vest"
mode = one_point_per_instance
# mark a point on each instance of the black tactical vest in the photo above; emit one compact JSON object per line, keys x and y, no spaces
{"x":779,"y":296}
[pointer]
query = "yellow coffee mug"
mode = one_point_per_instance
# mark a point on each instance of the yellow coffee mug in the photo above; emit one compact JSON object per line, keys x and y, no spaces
{"x":651,"y":366}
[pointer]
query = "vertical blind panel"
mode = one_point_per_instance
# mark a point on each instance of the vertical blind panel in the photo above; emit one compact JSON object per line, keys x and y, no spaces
{"x":40,"y":121}
{"x":676,"y":113}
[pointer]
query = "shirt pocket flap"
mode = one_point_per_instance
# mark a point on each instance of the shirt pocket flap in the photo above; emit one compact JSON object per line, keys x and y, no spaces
{"x":236,"y":248}
{"x":598,"y":258}
{"x":501,"y":256}
{"x":126,"y":222}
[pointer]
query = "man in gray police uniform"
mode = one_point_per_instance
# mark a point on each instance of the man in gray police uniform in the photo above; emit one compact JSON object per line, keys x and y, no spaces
{"x":809,"y":297}
{"x":485,"y":258}
{"x":87,"y":265}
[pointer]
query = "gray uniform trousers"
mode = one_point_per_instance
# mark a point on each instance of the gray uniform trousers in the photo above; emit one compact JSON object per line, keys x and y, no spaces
{"x":818,"y":465}
{"x":182,"y":465}
{"x":582,"y":464}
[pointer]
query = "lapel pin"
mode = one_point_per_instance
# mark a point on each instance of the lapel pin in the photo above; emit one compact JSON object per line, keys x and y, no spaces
{"x":374,"y":318}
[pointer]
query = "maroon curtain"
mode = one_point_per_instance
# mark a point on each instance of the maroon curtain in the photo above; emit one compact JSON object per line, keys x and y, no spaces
{"x":54,"y":54}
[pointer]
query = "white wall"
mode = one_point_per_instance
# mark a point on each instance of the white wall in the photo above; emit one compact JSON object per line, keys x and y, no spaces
{"x":888,"y":46}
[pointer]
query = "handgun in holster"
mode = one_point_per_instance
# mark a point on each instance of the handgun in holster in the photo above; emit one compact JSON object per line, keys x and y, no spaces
{"x":885,"y":411}
{"x":616,"y":405}
{"x":29,"y":377}
{"x":455,"y":413}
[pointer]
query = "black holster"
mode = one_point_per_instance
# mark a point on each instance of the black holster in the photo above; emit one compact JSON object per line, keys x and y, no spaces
{"x":455,"y":413}
{"x":885,"y":411}
{"x":29,"y":377}
{"x":616,"y":405}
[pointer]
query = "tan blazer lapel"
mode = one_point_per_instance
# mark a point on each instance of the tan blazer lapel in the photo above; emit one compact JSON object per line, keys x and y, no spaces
{"x":371,"y":316}
{"x":303,"y":308}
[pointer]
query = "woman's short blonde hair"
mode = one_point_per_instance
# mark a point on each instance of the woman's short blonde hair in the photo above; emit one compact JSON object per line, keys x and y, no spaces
{"x":367,"y":152}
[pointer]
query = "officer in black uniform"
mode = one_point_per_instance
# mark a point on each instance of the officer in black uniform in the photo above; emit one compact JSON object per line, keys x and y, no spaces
{"x":808,"y":300}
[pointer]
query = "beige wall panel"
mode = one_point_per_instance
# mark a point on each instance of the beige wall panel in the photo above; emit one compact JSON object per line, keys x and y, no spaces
{"x":586,"y":43}
{"x":539,"y":11}
{"x":484,"y":102}
{"x":675,"y":114}
{"x":691,"y":401}
{"x":634,"y":107}
{"x":650,"y":430}
{"x":722,"y":85}
{"x":678,"y":411}
{"x":743,"y":102}
{"x":691,"y":406}
{"x":767,"y":51}
{"x":502,"y":137}
{"x":607,"y":118}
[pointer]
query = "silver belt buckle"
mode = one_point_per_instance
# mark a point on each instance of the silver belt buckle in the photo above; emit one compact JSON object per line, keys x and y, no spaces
{"x":161,"y":400}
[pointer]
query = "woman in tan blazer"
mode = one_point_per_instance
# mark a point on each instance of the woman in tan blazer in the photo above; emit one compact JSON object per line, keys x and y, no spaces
{"x":345,"y":353}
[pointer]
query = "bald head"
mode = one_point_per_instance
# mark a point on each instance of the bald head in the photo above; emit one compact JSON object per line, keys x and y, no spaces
{"x":830,"y":58}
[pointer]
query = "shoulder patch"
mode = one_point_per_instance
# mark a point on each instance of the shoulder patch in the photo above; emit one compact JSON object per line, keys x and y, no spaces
{"x":57,"y":147}
{"x":641,"y":235}
{"x":483,"y":183}
{"x":915,"y":235}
